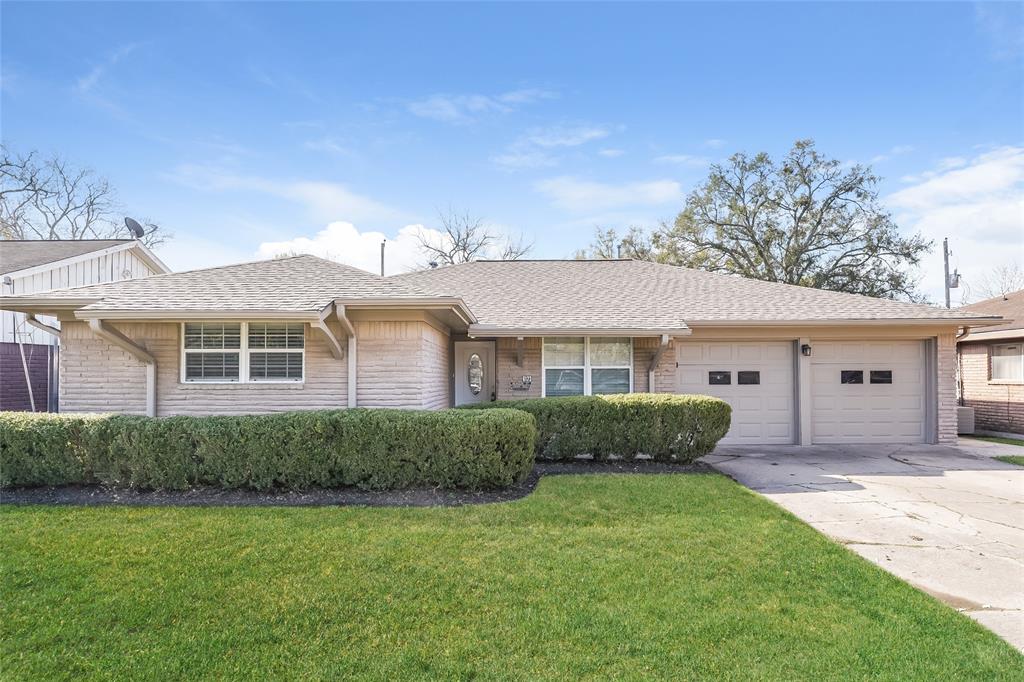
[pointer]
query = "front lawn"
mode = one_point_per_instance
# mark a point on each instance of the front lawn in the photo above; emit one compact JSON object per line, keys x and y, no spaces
{"x":1012,"y":459}
{"x":599,"y":576}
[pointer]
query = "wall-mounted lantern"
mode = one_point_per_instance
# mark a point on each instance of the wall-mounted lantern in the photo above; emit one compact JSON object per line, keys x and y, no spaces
{"x":805,"y":350}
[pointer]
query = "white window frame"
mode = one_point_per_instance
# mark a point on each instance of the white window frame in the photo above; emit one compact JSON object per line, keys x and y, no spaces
{"x":243,"y":353}
{"x":586,"y":366}
{"x":991,"y":356}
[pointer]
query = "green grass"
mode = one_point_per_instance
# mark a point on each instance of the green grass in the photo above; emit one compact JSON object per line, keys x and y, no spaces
{"x":592,"y":577}
{"x":1012,"y":459}
{"x":998,"y":439}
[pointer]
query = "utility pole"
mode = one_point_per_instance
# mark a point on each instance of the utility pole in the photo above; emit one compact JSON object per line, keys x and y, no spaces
{"x":945,"y":265}
{"x":386,"y":241}
{"x":952,"y":282}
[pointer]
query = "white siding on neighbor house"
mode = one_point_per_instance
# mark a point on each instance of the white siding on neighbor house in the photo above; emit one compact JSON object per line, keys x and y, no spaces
{"x":111,"y":267}
{"x":99,"y":377}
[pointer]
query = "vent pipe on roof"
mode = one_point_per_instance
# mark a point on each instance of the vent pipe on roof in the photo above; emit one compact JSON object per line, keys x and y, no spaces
{"x":382,"y":257}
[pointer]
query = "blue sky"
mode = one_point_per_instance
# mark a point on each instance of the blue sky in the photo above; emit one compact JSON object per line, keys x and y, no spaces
{"x":241,"y":126}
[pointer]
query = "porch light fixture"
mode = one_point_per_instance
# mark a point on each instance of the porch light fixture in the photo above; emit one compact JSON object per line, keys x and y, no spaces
{"x":805,"y":350}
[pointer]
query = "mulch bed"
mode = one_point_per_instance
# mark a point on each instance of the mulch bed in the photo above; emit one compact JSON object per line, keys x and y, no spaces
{"x":95,"y":495}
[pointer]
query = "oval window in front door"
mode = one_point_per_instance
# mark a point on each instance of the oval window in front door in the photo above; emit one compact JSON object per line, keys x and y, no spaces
{"x":475,"y":374}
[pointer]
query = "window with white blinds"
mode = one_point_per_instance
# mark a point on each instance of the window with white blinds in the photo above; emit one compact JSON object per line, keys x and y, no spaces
{"x":241,"y":352}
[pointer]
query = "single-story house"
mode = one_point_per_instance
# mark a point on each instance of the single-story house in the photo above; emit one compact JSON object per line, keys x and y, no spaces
{"x":28,"y":355}
{"x":798,"y":365}
{"x":991,"y":365}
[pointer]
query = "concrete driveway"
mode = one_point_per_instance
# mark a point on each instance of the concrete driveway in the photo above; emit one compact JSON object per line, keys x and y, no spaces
{"x":948,"y":520}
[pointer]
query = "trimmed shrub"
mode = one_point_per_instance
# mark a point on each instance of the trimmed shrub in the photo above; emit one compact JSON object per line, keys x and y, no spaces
{"x":666,"y":427}
{"x":373,"y":449}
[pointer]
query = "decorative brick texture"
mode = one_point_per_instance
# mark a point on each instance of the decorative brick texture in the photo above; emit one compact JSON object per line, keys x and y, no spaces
{"x":997,"y":406}
{"x":946,"y":388}
{"x":509,"y":373}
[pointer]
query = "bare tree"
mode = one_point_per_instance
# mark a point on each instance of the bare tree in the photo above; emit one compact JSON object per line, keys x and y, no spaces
{"x":465,"y":237}
{"x":635,"y":243}
{"x":999,"y":282}
{"x":50,"y":199}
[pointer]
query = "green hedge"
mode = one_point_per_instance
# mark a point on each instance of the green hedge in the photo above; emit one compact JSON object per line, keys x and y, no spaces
{"x":373,"y":449}
{"x":666,"y":427}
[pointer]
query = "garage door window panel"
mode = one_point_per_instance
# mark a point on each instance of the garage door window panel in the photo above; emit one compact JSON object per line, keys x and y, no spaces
{"x":881,"y":376}
{"x":851,"y":376}
{"x":748,"y":377}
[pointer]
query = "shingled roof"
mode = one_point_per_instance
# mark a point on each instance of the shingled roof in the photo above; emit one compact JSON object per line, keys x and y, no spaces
{"x":633,"y":294}
{"x":20,"y":254}
{"x":538,"y":296}
{"x":1009,"y":306}
{"x":298,"y":284}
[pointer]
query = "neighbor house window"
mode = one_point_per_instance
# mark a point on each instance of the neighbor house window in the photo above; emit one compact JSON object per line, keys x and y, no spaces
{"x":1008,"y":362}
{"x":241,"y":352}
{"x":578,"y":365}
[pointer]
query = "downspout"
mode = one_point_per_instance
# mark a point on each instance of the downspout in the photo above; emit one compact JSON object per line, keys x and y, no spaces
{"x":113,"y":336}
{"x":350,"y":330}
{"x":33,"y":321}
{"x":654,"y":362}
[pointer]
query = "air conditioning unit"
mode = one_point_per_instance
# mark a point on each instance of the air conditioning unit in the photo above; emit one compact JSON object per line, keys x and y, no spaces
{"x":965,"y":420}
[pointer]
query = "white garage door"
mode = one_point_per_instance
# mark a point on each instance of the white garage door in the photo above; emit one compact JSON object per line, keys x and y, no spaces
{"x":756,"y":379}
{"x":868,"y":392}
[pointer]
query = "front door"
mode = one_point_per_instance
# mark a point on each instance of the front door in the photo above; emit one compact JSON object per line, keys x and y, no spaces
{"x":474,"y":372}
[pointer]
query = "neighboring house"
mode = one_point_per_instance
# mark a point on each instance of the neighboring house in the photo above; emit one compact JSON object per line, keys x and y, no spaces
{"x":28,"y":353}
{"x":991,"y":364}
{"x":798,"y":365}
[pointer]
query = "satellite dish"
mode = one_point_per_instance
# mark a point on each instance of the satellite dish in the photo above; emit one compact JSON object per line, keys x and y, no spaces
{"x":134,"y":227}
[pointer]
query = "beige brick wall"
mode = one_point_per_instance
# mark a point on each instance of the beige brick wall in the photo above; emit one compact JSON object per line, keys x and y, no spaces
{"x":946,"y":388}
{"x":507,"y":371}
{"x":434,"y":366}
{"x":400,"y":364}
{"x":99,"y":377}
{"x":997,"y":406}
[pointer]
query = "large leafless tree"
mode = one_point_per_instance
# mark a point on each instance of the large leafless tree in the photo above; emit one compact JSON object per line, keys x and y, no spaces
{"x":48,"y":198}
{"x":464,"y":237}
{"x":1000,"y":281}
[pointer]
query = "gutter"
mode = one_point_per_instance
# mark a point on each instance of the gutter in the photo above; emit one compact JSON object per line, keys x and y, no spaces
{"x":350,"y":330}
{"x":113,"y":336}
{"x":34,"y":321}
{"x":476,"y":330}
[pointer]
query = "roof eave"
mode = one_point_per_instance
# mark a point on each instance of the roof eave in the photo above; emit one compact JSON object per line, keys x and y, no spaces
{"x":496,"y":331}
{"x":869,"y":322}
{"x":418,"y":302}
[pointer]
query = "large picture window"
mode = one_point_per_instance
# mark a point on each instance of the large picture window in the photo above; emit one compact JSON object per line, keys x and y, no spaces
{"x":242,"y":352}
{"x":1008,"y":362}
{"x":578,"y":365}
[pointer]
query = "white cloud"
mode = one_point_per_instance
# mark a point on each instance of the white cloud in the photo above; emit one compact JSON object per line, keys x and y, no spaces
{"x":564,"y":135}
{"x":898,"y":150}
{"x":977,"y":203}
{"x":574,"y":194}
{"x":531,"y":149}
{"x":517,"y":159}
{"x":466,"y":108}
{"x":714,"y":143}
{"x":611,"y":153}
{"x":323,"y":201}
{"x":328,"y":144}
{"x":343,"y":242}
{"x":683,"y":160}
{"x":91,"y":79}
